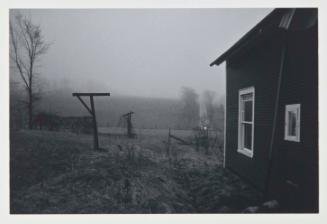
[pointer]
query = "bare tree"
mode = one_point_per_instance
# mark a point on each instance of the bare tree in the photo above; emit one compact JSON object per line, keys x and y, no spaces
{"x":191,"y":107}
{"x":208,"y":98}
{"x":214,"y":109}
{"x":27,"y":45}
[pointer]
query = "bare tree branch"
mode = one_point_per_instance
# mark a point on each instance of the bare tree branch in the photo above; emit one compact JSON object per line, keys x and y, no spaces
{"x":27,"y":46}
{"x":17,"y":60}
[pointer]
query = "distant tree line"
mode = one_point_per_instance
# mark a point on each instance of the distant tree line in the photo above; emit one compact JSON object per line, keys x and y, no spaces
{"x":213,"y":112}
{"x":182,"y":113}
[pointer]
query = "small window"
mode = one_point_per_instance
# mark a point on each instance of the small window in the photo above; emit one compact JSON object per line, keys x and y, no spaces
{"x":246,"y":121}
{"x":292,"y":122}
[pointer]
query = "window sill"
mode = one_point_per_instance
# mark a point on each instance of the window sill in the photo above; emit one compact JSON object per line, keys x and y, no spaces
{"x":292,"y":139}
{"x":246,"y":152}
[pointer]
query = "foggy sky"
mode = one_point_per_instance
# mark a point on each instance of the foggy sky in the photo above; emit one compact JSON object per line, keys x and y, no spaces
{"x":139,"y":52}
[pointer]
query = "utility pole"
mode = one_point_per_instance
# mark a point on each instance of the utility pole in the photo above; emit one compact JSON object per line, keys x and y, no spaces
{"x":92,"y":112}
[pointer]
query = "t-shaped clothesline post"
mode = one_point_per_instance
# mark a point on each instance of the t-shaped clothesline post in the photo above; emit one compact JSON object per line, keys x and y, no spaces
{"x":128,"y":117}
{"x":92,"y":112}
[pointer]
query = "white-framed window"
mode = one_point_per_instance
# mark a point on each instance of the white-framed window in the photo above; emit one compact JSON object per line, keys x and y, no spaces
{"x":292,"y":122}
{"x":246,"y":121}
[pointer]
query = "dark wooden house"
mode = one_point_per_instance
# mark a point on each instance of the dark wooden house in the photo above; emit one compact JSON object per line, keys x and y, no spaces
{"x":271,"y":131}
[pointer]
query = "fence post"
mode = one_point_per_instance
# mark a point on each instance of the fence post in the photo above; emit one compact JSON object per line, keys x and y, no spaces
{"x":168,"y":148}
{"x":207,"y":140}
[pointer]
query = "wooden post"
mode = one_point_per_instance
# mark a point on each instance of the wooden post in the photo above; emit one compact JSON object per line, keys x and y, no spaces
{"x":168,"y":140}
{"x":168,"y":148}
{"x":95,"y":128}
{"x":92,"y":112}
{"x":207,"y":140}
{"x":129,"y":125}
{"x":128,"y":118}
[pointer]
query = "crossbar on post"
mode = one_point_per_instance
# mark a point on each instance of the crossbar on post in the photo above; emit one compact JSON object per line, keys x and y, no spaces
{"x":91,"y":94}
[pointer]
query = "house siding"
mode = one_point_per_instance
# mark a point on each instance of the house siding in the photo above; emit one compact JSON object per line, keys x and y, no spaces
{"x":259,"y":67}
{"x":290,"y":175}
{"x":294,"y":178}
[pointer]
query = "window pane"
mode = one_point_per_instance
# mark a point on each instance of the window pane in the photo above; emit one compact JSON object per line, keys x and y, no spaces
{"x":248,"y":110}
{"x":247,"y":96}
{"x":291,"y":123}
{"x":247,"y":136}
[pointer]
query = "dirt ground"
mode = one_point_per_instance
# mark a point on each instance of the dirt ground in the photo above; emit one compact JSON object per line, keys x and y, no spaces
{"x":53,"y":172}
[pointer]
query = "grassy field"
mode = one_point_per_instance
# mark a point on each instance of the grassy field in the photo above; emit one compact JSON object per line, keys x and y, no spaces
{"x":158,"y":133}
{"x":53,"y":172}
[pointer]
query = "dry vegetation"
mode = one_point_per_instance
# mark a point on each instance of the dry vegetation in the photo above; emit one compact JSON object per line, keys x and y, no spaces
{"x":60,"y":173}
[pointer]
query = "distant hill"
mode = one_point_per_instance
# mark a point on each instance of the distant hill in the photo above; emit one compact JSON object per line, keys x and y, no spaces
{"x":148,"y":112}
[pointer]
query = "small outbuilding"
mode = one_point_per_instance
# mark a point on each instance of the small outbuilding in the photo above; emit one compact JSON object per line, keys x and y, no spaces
{"x":271,"y":117}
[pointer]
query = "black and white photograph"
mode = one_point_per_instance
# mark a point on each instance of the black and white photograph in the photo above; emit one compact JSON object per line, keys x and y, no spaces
{"x":163,"y":110}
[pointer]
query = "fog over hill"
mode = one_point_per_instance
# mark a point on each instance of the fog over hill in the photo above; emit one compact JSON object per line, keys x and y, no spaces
{"x":149,"y":112}
{"x":140,"y":53}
